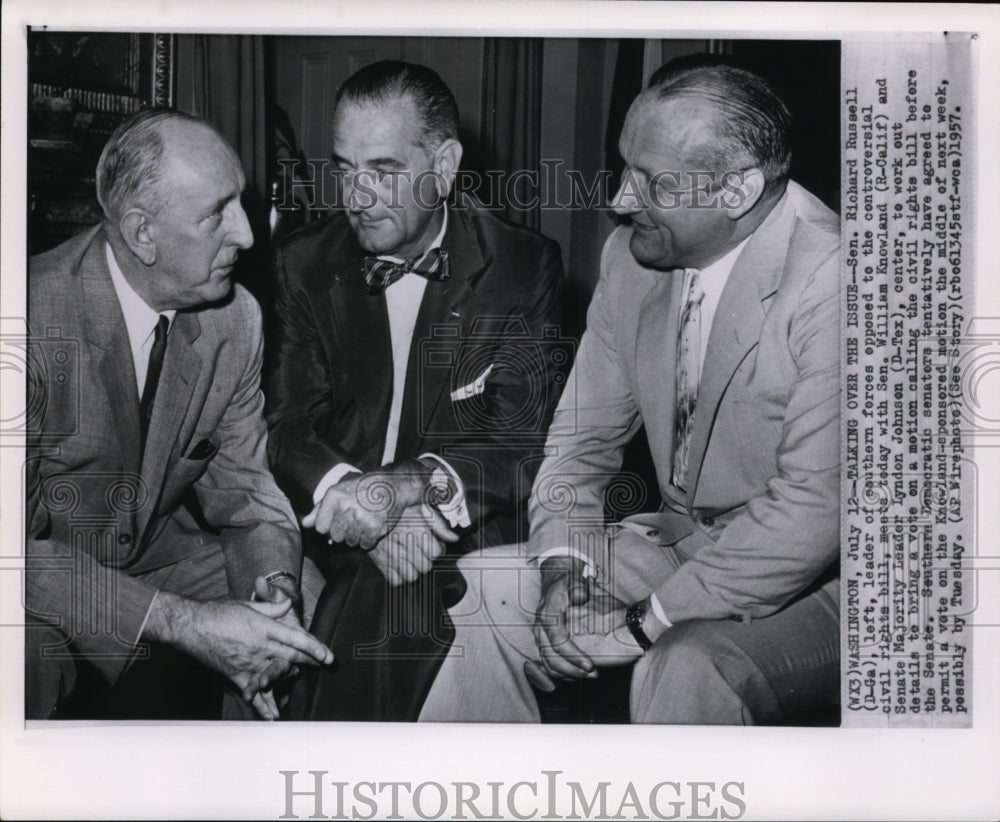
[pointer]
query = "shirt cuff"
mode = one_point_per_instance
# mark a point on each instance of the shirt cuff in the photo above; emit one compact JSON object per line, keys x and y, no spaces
{"x":454,"y":510}
{"x":589,"y":571}
{"x":331,"y":478}
{"x":658,"y":611}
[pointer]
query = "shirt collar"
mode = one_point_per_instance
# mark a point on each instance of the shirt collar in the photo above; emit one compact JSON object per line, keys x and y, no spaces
{"x":436,"y":244}
{"x":713,"y":277}
{"x":140,"y":319}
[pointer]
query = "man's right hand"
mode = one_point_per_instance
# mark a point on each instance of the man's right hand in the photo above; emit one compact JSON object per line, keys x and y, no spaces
{"x":563,"y":585}
{"x":245,"y":641}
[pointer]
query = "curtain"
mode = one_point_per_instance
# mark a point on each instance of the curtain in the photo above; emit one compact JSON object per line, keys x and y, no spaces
{"x":226,"y":79}
{"x":510,"y":124}
{"x":627,"y":83}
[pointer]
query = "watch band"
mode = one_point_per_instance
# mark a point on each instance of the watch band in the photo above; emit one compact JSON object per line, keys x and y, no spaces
{"x":633,"y":621}
{"x":281,"y":575}
{"x":274,"y":578}
{"x":441,"y":489}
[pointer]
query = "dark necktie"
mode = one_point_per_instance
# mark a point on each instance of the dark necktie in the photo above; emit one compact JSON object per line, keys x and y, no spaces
{"x":152,"y":377}
{"x":380,"y":274}
{"x":688,"y":376}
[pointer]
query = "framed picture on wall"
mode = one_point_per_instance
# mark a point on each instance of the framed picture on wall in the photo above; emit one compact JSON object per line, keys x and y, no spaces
{"x":82,"y":85}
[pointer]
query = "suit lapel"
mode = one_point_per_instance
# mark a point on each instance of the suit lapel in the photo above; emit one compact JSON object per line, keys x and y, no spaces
{"x":738,"y":321}
{"x":105,"y":329}
{"x":181,"y":367}
{"x":361,"y":323}
{"x":442,"y":318}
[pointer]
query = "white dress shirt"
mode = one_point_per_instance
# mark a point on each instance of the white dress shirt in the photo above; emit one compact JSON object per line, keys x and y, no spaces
{"x":713,"y":280}
{"x":140,"y":320}
{"x":403,"y":299}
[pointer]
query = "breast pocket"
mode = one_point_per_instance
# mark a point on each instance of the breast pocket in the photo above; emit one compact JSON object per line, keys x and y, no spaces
{"x":189,"y":468}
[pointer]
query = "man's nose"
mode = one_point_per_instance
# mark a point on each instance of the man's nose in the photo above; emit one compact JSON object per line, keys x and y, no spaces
{"x":628,"y":199}
{"x":240,"y":234}
{"x":359,"y":191}
{"x":354,"y":199}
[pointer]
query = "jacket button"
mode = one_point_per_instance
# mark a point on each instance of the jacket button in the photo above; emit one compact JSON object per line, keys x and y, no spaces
{"x":124,"y":539}
{"x":708,"y":522}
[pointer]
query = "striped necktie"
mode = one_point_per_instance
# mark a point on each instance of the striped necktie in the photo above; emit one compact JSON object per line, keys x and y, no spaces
{"x":688,"y":375}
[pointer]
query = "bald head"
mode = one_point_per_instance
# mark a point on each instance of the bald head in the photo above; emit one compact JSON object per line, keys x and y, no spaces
{"x":139,"y":161}
{"x":170,"y":187}
{"x":706,"y":155}
{"x":722,"y":118}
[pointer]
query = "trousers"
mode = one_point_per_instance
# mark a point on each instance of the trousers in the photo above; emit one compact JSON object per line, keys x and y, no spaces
{"x":724,"y":672}
{"x":388,"y":642}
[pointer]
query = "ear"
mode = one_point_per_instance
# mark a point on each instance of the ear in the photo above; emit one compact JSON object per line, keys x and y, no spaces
{"x":741,"y":192}
{"x":447,"y":157}
{"x":139,"y":233}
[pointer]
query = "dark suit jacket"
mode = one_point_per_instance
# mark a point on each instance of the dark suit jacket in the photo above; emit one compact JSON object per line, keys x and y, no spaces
{"x":330,"y":362}
{"x":96,"y":519}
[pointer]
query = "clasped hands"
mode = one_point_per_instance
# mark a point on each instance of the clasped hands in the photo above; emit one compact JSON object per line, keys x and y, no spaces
{"x":387,"y":513}
{"x":579,"y":627}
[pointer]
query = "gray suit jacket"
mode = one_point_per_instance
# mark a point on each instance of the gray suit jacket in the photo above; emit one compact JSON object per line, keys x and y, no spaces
{"x":97,"y":519}
{"x":760,"y":521}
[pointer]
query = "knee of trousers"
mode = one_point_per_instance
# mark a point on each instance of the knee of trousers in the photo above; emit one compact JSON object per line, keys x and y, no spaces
{"x":501,"y":587}
{"x":500,"y":577}
{"x":694,"y":673}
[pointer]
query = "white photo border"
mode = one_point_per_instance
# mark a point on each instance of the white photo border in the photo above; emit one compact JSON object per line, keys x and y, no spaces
{"x":212,"y":770}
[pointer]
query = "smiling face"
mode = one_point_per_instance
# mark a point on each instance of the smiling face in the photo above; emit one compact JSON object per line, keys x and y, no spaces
{"x":200,"y":227}
{"x":670,"y":230}
{"x":391,"y":185}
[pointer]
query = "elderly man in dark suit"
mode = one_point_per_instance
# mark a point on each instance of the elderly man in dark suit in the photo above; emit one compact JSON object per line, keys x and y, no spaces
{"x":415,"y":358}
{"x":714,"y":324}
{"x":151,"y":512}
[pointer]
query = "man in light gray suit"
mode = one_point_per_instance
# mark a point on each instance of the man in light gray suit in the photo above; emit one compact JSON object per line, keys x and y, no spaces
{"x":715,"y":324}
{"x":151,"y":513}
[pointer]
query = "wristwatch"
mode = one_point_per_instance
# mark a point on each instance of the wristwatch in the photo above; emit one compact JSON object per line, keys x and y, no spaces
{"x":444,"y":496}
{"x":634,"y":616}
{"x":296,"y":597}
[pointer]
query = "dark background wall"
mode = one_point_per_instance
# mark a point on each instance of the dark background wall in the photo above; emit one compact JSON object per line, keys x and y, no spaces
{"x":524,"y":104}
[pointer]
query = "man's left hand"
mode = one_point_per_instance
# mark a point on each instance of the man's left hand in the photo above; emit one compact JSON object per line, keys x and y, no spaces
{"x":279,"y":590}
{"x":410,"y":549}
{"x":598,"y":629}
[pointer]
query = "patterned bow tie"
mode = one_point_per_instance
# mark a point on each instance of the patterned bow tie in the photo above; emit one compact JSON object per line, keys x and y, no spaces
{"x":380,"y":274}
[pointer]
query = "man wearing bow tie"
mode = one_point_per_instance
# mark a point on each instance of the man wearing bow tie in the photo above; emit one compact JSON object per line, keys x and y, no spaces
{"x":152,"y":516}
{"x":411,"y":381}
